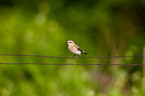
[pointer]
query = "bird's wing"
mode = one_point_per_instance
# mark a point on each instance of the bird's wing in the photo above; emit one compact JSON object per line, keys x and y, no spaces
{"x":78,"y":48}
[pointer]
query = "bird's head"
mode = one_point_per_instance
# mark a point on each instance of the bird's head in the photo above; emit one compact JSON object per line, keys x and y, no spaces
{"x":70,"y":42}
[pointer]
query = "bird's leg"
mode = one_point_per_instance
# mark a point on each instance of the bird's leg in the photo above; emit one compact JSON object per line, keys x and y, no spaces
{"x":72,"y":56}
{"x":77,"y":56}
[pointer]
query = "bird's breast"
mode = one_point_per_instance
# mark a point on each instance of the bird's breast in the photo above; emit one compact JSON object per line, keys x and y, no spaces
{"x":73,"y":49}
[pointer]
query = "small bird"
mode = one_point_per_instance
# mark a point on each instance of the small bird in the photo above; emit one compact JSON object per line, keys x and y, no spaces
{"x":74,"y":49}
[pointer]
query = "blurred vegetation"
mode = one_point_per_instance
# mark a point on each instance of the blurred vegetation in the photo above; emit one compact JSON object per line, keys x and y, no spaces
{"x":99,"y":27}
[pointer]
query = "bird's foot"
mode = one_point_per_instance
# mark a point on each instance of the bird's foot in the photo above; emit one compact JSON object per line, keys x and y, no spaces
{"x":71,"y":58}
{"x":77,"y":57}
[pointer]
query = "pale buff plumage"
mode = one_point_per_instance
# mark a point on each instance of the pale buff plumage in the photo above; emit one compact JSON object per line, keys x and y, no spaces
{"x":74,"y":49}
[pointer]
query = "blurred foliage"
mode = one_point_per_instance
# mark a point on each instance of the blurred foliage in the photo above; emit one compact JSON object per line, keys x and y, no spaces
{"x":99,"y":27}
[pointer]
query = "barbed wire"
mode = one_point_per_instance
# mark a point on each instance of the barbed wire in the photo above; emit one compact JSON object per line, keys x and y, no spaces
{"x":70,"y":57}
{"x":73,"y":64}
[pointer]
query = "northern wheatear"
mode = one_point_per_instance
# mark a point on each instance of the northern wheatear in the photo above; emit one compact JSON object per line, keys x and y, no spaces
{"x":74,"y":49}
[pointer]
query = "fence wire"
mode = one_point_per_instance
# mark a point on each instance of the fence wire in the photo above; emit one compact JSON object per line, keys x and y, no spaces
{"x":69,"y":58}
{"x":73,"y":64}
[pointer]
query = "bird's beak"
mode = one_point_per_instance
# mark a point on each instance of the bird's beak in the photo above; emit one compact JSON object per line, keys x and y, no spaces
{"x":65,"y":42}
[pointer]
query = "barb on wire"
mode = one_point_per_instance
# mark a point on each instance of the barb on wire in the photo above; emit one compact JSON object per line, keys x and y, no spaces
{"x":70,"y":57}
{"x":73,"y":64}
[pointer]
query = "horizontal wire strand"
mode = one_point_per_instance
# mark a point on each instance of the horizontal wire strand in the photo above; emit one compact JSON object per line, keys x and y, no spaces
{"x":73,"y":64}
{"x":70,"y":57}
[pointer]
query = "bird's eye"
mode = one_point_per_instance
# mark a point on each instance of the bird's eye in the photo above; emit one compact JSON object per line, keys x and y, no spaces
{"x":69,"y":42}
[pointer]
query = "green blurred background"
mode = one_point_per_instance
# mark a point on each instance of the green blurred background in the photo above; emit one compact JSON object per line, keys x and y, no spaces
{"x":99,"y":27}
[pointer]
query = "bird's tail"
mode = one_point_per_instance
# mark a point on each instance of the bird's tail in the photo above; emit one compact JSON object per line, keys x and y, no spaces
{"x":84,"y":52}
